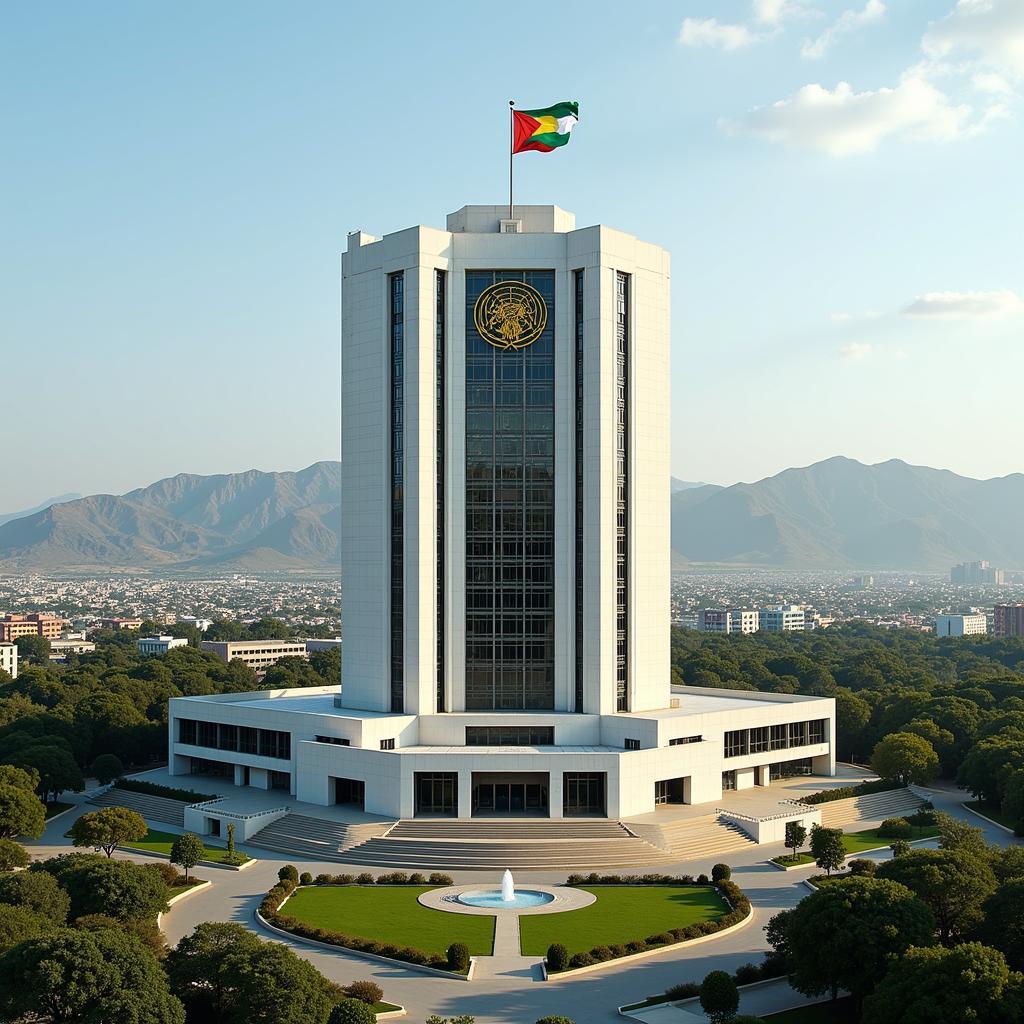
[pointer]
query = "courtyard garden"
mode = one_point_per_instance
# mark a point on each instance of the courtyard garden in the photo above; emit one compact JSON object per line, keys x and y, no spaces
{"x":161,"y":842}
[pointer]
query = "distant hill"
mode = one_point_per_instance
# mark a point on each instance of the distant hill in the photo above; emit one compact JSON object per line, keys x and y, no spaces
{"x":842,"y":514}
{"x":835,"y":514}
{"x":6,"y":517}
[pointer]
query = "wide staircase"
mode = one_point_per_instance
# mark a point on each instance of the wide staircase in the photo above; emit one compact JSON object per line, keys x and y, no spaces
{"x":152,"y":808}
{"x":482,"y":845}
{"x":306,"y":838}
{"x":894,"y":803}
{"x":694,"y":838}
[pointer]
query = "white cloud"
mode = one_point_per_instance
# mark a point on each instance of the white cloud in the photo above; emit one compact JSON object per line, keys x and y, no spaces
{"x":842,"y":122}
{"x":712,"y":32}
{"x":847,"y":22}
{"x":992,"y":83}
{"x":965,"y":305}
{"x":990,"y":30}
{"x":845,"y":318}
{"x":854,"y":352}
{"x":771,"y":12}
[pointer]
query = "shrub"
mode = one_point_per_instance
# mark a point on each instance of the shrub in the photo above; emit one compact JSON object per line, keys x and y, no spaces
{"x":417,"y":879}
{"x":895,"y":828}
{"x":923,"y":818}
{"x":556,"y":1020}
{"x":718,"y":997}
{"x":721,"y":873}
{"x":558,"y":957}
{"x":346,"y":879}
{"x":458,"y":957}
{"x":861,"y":866}
{"x":170,"y":792}
{"x":687,"y":990}
{"x":702,"y":879}
{"x":106,"y":768}
{"x":747,"y":974}
{"x":581,"y":960}
{"x":845,"y":792}
{"x":168,"y":872}
{"x":322,"y":880}
{"x":368,"y":992}
{"x":12,"y":855}
{"x":352,"y":1011}
{"x":305,"y":878}
{"x":364,"y":878}
{"x":289,"y":873}
{"x":437,"y":878}
{"x":900,"y":848}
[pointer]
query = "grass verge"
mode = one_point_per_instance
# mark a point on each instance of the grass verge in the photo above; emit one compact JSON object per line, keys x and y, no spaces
{"x":991,"y":811}
{"x":161,"y":842}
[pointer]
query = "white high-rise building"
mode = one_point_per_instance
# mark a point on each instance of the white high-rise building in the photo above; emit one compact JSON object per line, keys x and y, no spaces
{"x":970,"y":624}
{"x":9,"y":659}
{"x":505,"y":548}
{"x":781,"y":618}
{"x":728,"y":620}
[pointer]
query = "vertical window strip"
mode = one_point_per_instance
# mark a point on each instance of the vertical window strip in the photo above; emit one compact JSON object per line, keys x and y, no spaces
{"x":439,"y":371}
{"x":397,"y":329}
{"x":622,"y":490}
{"x":578,"y":319}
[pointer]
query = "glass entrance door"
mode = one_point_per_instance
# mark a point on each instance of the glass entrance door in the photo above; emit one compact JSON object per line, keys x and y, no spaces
{"x":529,"y":799}
{"x":437,"y":793}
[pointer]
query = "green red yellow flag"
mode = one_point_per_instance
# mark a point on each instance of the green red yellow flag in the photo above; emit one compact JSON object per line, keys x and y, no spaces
{"x":545,"y":129}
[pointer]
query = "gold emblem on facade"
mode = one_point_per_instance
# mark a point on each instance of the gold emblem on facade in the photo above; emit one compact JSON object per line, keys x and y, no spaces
{"x":510,"y":315}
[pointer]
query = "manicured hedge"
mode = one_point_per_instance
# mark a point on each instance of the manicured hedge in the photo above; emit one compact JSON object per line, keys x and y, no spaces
{"x":154,"y":789}
{"x":408,"y":954}
{"x":394,"y":878}
{"x":845,"y":792}
{"x":729,"y":891}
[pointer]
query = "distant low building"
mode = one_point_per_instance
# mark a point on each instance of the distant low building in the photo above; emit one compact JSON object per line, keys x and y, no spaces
{"x":728,"y":620}
{"x":9,"y":659}
{"x":120,"y":623}
{"x":783,"y":618}
{"x":60,"y":649}
{"x":972,"y":624}
{"x":975,"y":574}
{"x":326,"y":644}
{"x":259,"y":655}
{"x":159,"y":644}
{"x":1008,"y":620}
{"x":33,"y":624}
{"x":201,"y":624}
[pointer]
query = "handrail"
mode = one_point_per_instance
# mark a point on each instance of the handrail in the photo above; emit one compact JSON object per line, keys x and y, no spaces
{"x":234,"y":814}
{"x":750,"y":817}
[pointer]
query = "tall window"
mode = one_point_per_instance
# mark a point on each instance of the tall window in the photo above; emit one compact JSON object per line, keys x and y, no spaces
{"x":397,"y":287}
{"x":510,"y":511}
{"x":439,"y":361}
{"x":578,"y":321}
{"x":622,"y":491}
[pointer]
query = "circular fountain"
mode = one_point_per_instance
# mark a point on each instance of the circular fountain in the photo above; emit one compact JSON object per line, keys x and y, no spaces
{"x":508,"y":897}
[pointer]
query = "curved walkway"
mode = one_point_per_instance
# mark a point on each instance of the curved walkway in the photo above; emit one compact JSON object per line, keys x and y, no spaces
{"x":517,"y":998}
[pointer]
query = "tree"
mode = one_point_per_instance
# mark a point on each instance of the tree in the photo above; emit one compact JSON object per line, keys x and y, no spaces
{"x":719,"y":998}
{"x":954,"y":884}
{"x":106,"y":768}
{"x":12,"y":855}
{"x":77,"y":975}
{"x":35,"y":891}
{"x":906,"y":758}
{"x":556,"y":1019}
{"x":1004,"y":921}
{"x":1013,"y":799}
{"x":187,"y":851}
{"x":721,"y":873}
{"x":970,"y":982}
{"x":18,"y":924}
{"x":118,"y":888}
{"x":196,"y":969}
{"x":21,"y":813}
{"x":108,"y":828}
{"x":796,"y":835}
{"x":352,"y":1011}
{"x":827,"y":848}
{"x":988,"y":765}
{"x":843,"y":935}
{"x":852,"y":715}
{"x":56,"y":767}
{"x":33,"y":650}
{"x":955,"y":834}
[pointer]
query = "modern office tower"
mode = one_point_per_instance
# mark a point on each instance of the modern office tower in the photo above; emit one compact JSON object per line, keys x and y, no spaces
{"x":781,"y":618}
{"x":728,"y":620}
{"x":505,"y":549}
{"x":975,"y":574}
{"x":1008,"y":620}
{"x":971,"y":624}
{"x":33,"y":624}
{"x":9,"y":659}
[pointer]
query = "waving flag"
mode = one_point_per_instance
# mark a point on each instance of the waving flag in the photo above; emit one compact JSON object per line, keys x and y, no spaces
{"x":545,"y":129}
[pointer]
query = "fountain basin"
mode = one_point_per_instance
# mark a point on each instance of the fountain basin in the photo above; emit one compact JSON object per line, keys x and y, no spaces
{"x":492,"y":899}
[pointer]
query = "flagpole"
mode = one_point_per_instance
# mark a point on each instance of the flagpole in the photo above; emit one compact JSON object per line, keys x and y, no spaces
{"x":511,"y":147}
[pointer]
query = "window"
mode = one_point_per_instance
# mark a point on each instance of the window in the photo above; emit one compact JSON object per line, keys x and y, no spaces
{"x":779,"y":737}
{"x":397,"y":294}
{"x":387,"y":744}
{"x":669,"y":791}
{"x":632,"y":744}
{"x":509,"y":736}
{"x":186,"y":731}
{"x":439,"y":412}
{"x":759,"y":739}
{"x":798,"y":734}
{"x":578,"y":409}
{"x":816,"y":731}
{"x":622,"y":285}
{"x":736,"y":743}
{"x":678,"y":740}
{"x":336,"y":740}
{"x":437,"y":793}
{"x":583,"y":794}
{"x":728,"y":780}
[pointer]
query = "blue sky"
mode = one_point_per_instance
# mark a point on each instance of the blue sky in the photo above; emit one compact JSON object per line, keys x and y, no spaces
{"x":177,"y":182}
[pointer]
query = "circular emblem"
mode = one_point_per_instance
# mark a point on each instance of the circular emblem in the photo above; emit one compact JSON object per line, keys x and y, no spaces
{"x":510,"y":315}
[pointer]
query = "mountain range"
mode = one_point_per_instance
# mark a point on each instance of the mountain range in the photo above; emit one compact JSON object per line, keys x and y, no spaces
{"x":836,"y":514}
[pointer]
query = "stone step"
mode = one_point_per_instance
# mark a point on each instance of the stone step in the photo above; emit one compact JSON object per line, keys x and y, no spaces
{"x":152,"y":808}
{"x":303,"y":836}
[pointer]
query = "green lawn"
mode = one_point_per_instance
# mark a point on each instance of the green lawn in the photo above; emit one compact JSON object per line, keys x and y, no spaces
{"x":991,"y":811}
{"x":621,"y":914}
{"x":842,"y":1011}
{"x":789,"y":861}
{"x":161,"y":842}
{"x":177,"y":890}
{"x":858,"y":842}
{"x":389,"y":914}
{"x":384,"y":1007}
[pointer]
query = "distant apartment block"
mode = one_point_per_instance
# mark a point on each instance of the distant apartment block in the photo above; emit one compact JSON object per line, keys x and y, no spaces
{"x":120,"y":623}
{"x":60,"y":649}
{"x":783,"y":618}
{"x":973,"y":574}
{"x":259,"y":655}
{"x":159,"y":644}
{"x":32,"y":624}
{"x":201,"y":624}
{"x":9,"y":659}
{"x":973,"y":624}
{"x":728,"y":620}
{"x":326,"y":644}
{"x":1008,"y":620}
